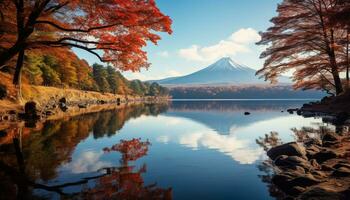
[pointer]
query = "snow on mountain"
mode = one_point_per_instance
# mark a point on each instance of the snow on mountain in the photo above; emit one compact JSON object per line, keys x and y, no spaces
{"x":223,"y":71}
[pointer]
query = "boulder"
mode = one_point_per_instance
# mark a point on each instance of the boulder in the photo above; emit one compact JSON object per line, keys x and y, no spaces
{"x":246,"y":113}
{"x":305,"y":180}
{"x":62,"y":104}
{"x":315,"y":164}
{"x":331,"y":137}
{"x":324,"y":155}
{"x":341,"y":117}
{"x":289,"y":149}
{"x":291,"y":162}
{"x":82,"y":105}
{"x":320,"y":194}
{"x":342,"y":172}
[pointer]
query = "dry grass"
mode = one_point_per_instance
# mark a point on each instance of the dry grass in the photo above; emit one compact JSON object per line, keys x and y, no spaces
{"x":42,"y":95}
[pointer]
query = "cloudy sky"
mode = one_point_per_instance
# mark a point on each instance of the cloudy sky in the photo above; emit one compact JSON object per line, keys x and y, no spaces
{"x":205,"y":31}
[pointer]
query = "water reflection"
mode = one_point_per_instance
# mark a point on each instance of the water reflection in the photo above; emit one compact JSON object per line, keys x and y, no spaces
{"x":34,"y":157}
{"x":192,"y":150}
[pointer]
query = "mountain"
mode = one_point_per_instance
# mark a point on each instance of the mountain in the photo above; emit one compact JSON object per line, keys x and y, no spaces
{"x":224,"y":71}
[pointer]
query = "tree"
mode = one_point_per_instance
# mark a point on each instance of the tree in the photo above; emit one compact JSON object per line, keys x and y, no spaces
{"x":154,"y":89}
{"x":100,"y":76}
{"x":137,"y":87}
{"x":302,"y":39}
{"x":112,"y":79}
{"x":118,"y":28}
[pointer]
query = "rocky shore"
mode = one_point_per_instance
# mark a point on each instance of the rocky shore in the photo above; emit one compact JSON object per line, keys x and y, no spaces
{"x":333,"y":109}
{"x":317,"y":168}
{"x":60,"y":106}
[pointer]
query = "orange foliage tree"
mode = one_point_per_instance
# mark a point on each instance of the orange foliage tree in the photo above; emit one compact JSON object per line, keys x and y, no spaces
{"x":303,"y":39}
{"x":113,"y":30}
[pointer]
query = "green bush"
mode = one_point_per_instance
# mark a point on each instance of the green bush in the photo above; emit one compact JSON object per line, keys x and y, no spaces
{"x":3,"y":91}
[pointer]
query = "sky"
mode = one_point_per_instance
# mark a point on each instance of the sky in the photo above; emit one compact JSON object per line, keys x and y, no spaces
{"x":203,"y":32}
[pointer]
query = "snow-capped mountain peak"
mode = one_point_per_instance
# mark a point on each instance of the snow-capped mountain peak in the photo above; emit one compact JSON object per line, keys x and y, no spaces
{"x":226,"y":63}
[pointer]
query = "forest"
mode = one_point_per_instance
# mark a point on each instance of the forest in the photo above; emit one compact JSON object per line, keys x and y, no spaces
{"x":63,"y":69}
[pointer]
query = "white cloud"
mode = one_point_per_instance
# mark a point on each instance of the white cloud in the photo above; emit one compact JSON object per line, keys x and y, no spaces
{"x":238,"y":150}
{"x":143,"y":76}
{"x":245,"y":36}
{"x":164,"y":54}
{"x":238,"y":42}
{"x":88,"y":161}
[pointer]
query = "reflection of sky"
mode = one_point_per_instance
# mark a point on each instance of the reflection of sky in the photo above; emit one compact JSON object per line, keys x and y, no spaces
{"x":88,"y":161}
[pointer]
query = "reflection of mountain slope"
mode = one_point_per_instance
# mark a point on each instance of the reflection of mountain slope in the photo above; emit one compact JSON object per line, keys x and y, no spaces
{"x":223,"y":116}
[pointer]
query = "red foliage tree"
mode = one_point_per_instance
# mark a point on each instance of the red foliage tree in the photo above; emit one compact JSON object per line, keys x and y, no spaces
{"x":113,"y":30}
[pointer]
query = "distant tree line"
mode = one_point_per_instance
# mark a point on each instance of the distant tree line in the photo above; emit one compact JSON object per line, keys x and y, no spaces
{"x":248,"y":92}
{"x":62,"y":68}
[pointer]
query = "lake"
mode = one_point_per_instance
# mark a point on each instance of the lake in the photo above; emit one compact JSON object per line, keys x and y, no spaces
{"x":181,"y":150}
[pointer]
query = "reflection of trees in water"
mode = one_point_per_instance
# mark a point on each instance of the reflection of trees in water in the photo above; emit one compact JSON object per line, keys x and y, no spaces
{"x":266,"y":166}
{"x":122,"y":182}
{"x":223,"y":106}
{"x":126,"y":182}
{"x":46,"y":149}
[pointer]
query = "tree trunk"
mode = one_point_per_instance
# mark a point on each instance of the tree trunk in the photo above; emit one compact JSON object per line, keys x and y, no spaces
{"x":18,"y":72}
{"x":347,"y":59}
{"x":336,"y":77}
{"x":334,"y":66}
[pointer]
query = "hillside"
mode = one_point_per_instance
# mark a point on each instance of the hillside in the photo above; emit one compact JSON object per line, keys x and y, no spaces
{"x":60,"y":73}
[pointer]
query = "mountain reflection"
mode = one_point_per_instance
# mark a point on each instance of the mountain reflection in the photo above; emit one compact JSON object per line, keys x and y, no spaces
{"x":223,"y":116}
{"x":30,"y":158}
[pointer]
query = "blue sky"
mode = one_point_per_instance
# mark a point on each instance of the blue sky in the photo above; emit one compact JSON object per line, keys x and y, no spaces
{"x":204,"y":31}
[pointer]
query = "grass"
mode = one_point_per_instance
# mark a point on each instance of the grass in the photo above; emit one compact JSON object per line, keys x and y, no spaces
{"x":42,"y":95}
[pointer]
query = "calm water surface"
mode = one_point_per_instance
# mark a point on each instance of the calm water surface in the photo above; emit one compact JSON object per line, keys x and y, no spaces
{"x":185,"y":150}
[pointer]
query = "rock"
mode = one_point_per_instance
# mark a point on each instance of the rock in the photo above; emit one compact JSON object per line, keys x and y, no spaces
{"x":341,"y":117}
{"x":330,"y":143}
{"x":246,"y":113}
{"x":12,"y":112}
{"x":318,"y":174}
{"x":318,"y":193}
{"x":329,"y":137}
{"x":82,"y":105}
{"x":3,"y":133}
{"x":30,"y":111}
{"x":291,"y":111}
{"x":62,"y":104}
{"x":49,"y":113}
{"x":324,"y":155}
{"x":289,"y":149}
{"x":312,"y":150}
{"x":305,"y":180}
{"x":3,"y":91}
{"x":342,"y":172}
{"x":315,"y":164}
{"x":291,"y":162}
{"x":292,"y":184}
{"x":338,"y":165}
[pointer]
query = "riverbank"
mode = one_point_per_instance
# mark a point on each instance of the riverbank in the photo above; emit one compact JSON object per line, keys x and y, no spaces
{"x":53,"y":102}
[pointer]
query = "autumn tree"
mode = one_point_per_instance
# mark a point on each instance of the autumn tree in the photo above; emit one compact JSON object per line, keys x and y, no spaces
{"x":112,"y":79}
{"x":117,"y":28}
{"x":100,"y":76}
{"x":302,"y":39}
